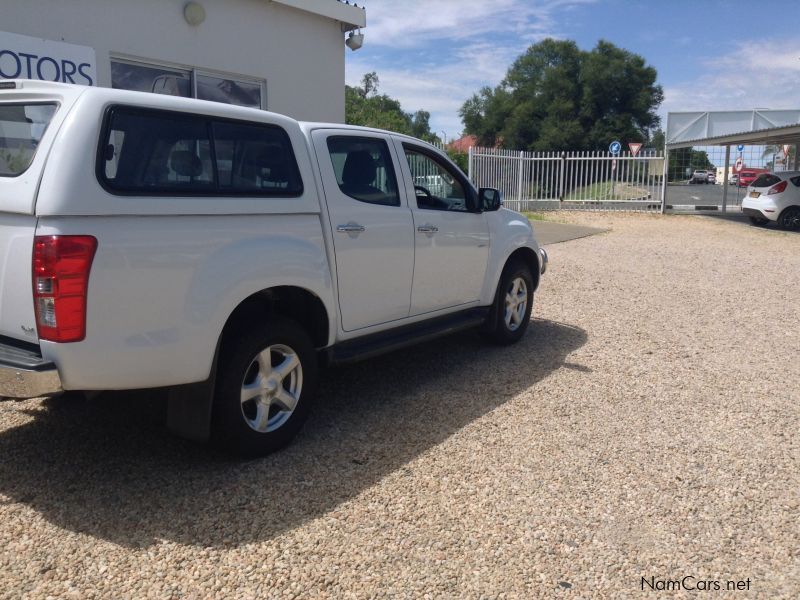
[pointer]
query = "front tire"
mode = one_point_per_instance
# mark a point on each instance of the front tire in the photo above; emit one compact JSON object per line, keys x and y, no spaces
{"x":265,"y":386}
{"x":513,"y":304}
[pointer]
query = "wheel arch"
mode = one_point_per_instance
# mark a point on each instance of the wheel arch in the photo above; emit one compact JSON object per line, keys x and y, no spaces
{"x":530,"y":258}
{"x":297,"y":303}
{"x":190,"y":406}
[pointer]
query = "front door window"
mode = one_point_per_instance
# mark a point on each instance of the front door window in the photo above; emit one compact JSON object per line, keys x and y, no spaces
{"x":435,"y":186}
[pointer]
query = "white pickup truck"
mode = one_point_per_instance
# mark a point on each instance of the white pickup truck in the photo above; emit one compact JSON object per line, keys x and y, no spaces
{"x":225,"y":253}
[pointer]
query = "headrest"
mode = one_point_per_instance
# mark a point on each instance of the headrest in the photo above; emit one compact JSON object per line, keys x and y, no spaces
{"x":186,"y":163}
{"x":359,"y":168}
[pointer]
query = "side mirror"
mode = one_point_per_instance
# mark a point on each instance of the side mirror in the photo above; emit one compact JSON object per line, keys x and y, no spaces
{"x":490,"y":199}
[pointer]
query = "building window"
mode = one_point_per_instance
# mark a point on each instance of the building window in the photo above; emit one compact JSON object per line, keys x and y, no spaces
{"x":189,"y":83}
{"x":151,"y":78}
{"x":228,"y":90}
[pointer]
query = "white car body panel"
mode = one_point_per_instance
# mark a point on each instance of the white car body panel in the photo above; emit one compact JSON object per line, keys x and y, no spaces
{"x":450,"y":263}
{"x":383,"y":252}
{"x":509,"y":231}
{"x":162,"y":288}
{"x":16,"y":300}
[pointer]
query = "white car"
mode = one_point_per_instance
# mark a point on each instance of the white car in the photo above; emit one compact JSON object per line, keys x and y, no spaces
{"x":774,"y":197}
{"x":226,"y":253}
{"x":699,"y":176}
{"x":712,"y":177}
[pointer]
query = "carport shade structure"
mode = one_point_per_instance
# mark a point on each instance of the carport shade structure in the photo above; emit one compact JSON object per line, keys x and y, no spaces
{"x":728,"y":128}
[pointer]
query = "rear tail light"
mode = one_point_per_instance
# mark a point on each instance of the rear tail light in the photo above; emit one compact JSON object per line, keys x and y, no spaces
{"x":61,"y":265}
{"x":777,"y":188}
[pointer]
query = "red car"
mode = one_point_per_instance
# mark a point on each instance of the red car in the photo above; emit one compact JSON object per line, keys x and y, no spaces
{"x":748,"y":176}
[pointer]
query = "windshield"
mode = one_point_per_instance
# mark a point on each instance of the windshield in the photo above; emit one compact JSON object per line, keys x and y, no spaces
{"x":21,"y":128}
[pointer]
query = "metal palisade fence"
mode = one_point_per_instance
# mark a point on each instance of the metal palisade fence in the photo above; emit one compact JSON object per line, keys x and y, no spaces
{"x":571,"y":180}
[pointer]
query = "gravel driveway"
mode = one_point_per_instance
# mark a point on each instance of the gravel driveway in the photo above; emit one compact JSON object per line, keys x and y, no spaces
{"x":646,"y":427}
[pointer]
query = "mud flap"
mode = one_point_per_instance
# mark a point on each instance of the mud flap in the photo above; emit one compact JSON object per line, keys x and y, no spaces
{"x":189,"y":408}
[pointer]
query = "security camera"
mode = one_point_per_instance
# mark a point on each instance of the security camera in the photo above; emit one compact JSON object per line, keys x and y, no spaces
{"x":355,"y":40}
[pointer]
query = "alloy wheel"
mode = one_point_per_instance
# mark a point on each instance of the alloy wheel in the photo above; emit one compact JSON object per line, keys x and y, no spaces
{"x":271,"y":388}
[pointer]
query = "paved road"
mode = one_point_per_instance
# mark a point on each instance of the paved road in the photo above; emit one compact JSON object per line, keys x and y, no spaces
{"x":548,"y":232}
{"x":710,"y":195}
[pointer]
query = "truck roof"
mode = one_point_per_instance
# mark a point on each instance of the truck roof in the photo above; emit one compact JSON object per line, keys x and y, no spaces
{"x":24,"y":88}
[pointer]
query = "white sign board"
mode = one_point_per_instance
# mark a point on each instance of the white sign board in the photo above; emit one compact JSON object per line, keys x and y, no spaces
{"x":738,"y":165}
{"x":25,"y":57}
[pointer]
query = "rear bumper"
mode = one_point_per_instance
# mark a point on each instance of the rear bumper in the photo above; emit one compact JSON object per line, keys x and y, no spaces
{"x":24,"y":373}
{"x":763,"y":207}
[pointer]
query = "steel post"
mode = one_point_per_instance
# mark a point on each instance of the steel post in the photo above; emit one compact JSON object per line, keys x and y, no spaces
{"x":664,"y":181}
{"x":725,"y":179}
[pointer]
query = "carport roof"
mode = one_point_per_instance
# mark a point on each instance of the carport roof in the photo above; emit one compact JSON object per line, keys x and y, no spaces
{"x":724,"y":128}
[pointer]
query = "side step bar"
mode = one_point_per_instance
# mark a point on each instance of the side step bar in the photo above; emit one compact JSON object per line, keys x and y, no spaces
{"x":401,"y":337}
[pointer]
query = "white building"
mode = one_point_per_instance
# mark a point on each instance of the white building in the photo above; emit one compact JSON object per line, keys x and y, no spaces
{"x":286,"y":56}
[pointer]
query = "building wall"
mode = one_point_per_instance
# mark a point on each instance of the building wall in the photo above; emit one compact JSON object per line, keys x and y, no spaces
{"x":301,"y":55}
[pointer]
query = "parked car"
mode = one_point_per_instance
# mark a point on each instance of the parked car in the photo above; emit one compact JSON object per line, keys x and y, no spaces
{"x":712,"y":177}
{"x":774,"y":197}
{"x":748,"y":176}
{"x":699,"y":176}
{"x":733,"y":179}
{"x":225,"y":253}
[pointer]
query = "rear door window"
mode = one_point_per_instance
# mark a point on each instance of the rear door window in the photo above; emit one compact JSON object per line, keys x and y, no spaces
{"x":363,"y":169}
{"x":162,"y":153}
{"x":766,"y":180}
{"x":21,"y":128}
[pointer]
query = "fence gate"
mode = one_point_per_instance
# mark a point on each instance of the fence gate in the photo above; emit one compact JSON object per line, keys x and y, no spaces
{"x":571,"y":180}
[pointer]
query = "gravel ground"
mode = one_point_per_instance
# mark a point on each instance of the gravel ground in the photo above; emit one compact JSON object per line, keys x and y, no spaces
{"x":647,"y":426}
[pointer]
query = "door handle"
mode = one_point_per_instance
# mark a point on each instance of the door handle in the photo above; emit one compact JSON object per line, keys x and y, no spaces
{"x":350,"y":228}
{"x":427,"y":228}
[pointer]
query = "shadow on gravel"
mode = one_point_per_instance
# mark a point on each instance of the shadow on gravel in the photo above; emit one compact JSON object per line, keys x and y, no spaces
{"x":107,"y":467}
{"x":741,"y":219}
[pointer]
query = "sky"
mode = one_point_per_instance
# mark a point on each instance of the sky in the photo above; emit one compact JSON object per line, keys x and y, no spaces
{"x":709,"y":54}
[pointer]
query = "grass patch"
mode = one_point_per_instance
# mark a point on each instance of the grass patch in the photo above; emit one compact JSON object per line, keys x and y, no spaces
{"x":535,"y":216}
{"x":605,"y":190}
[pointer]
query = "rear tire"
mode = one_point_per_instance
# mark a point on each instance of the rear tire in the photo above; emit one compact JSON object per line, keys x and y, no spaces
{"x":265,"y":385}
{"x":511,"y":311}
{"x":790,"y":218}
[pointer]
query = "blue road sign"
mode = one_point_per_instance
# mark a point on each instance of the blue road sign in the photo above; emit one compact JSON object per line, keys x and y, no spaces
{"x":615,"y":147}
{"x":740,"y":147}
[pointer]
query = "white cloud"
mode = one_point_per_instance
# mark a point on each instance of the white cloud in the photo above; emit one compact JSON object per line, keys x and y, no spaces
{"x":755,"y":75}
{"x":408,"y":23}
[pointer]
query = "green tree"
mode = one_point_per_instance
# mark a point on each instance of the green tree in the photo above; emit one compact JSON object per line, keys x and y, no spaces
{"x":365,"y":106}
{"x":558,"y":97}
{"x":684,"y":161}
{"x":460,"y":158}
{"x":657,"y":139}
